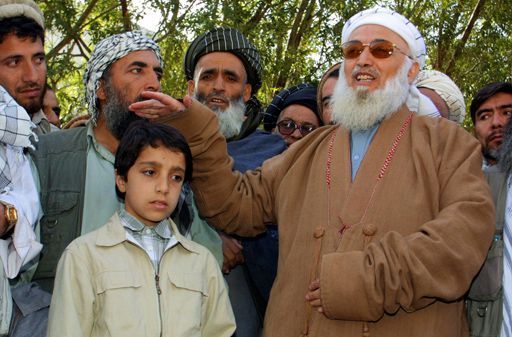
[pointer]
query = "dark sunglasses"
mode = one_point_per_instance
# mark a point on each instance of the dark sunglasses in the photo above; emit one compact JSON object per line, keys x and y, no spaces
{"x":379,"y":48}
{"x":286,"y":127}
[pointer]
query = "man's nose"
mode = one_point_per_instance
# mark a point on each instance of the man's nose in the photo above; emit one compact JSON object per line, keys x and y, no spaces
{"x":498,"y":120}
{"x":365,"y":58}
{"x":30,"y":72}
{"x":296,"y":133}
{"x":218,"y":84}
{"x":153,"y":82}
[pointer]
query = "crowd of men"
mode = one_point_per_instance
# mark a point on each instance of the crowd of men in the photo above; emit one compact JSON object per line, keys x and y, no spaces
{"x":356,"y":208}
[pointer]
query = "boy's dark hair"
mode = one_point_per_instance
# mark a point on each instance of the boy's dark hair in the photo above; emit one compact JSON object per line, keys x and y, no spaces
{"x":487,"y":92}
{"x":141,"y":134}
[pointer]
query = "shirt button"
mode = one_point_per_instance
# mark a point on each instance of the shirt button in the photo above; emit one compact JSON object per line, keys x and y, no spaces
{"x":356,"y":157}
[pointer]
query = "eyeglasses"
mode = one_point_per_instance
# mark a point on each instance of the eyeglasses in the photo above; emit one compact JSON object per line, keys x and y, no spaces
{"x":286,"y":127}
{"x":379,"y":48}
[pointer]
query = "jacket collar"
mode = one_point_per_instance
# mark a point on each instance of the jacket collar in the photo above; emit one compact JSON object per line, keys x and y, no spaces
{"x":113,"y":233}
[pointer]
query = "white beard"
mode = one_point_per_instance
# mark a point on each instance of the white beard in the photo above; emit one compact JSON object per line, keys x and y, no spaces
{"x":230,"y":119}
{"x":358,"y":109}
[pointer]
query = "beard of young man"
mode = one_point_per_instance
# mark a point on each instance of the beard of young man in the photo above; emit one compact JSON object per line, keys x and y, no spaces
{"x":32,"y":106}
{"x":504,"y":154}
{"x":359,"y":109}
{"x":230,"y":119}
{"x":117,"y":115}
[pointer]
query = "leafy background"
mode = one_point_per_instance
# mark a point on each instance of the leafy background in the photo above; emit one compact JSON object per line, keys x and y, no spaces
{"x":469,"y":40}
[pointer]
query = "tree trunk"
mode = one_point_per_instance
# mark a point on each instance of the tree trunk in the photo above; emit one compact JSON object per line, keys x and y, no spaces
{"x":300,"y":24}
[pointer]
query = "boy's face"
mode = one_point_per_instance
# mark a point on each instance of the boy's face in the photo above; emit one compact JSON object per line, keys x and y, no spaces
{"x":153,"y":184}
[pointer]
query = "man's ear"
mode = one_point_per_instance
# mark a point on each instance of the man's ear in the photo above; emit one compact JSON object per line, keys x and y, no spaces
{"x":120,"y":183}
{"x":100,"y":93}
{"x":191,"y":87}
{"x":413,"y":71}
{"x":247,"y":91}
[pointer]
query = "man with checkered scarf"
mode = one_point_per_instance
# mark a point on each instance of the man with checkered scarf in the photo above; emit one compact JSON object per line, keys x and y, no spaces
{"x":75,"y":167}
{"x":23,"y":66}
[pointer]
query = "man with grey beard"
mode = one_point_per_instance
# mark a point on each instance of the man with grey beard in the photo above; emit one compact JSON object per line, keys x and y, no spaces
{"x":384,"y":218}
{"x":223,"y":70}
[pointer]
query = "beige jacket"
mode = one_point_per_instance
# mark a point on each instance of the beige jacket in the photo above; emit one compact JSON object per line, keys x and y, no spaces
{"x":107,"y":286}
{"x":399,"y":271}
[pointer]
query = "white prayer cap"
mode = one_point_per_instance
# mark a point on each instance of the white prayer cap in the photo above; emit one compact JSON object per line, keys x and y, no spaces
{"x":27,"y":8}
{"x":447,"y":89}
{"x":393,"y":21}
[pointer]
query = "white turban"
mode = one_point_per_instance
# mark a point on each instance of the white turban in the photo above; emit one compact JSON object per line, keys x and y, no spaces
{"x":447,"y":89}
{"x":421,"y":104}
{"x":27,"y":8}
{"x":106,"y":52}
{"x":393,"y":21}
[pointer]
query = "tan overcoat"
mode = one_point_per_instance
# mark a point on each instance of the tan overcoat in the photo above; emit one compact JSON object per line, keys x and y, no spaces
{"x":401,"y":269}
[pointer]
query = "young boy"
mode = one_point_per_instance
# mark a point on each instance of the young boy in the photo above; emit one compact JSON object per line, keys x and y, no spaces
{"x":137,"y":276}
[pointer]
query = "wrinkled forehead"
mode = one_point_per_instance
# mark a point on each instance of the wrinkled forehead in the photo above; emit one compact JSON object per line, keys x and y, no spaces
{"x":221,"y":60}
{"x":370,"y":32}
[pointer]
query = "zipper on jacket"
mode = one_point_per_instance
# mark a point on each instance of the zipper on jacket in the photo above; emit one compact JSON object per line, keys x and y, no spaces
{"x":157,"y":282}
{"x":158,"y":293}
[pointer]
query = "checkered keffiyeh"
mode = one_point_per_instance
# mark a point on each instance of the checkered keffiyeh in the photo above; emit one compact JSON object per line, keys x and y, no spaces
{"x":393,"y":21}
{"x":15,"y":129}
{"x":106,"y":52}
{"x":225,"y":40}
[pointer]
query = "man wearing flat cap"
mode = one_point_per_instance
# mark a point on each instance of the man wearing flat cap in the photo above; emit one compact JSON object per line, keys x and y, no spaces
{"x":22,"y":58}
{"x":384,"y":218}
{"x":223,"y":70}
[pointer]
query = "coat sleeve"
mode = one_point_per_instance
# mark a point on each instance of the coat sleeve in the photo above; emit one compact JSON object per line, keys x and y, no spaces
{"x":436,"y":262}
{"x":22,"y":246}
{"x":219,"y":320}
{"x":71,"y":310}
{"x":225,"y":198}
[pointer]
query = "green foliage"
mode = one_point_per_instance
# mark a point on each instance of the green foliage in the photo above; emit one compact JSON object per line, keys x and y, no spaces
{"x":298,"y":39}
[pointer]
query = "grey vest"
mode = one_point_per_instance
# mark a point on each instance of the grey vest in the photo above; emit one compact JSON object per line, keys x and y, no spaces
{"x":484,"y":303}
{"x":61,"y":160}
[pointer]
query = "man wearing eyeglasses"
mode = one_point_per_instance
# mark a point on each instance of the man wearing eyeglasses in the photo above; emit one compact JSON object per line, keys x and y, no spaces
{"x":223,"y":70}
{"x":293,"y":113}
{"x":384,"y":218}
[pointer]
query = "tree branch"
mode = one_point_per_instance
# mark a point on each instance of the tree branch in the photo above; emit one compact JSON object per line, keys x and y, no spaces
{"x":467,"y":32}
{"x":73,"y":31}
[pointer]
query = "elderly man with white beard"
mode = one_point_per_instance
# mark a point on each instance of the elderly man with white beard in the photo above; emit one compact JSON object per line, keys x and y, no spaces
{"x":223,"y":70}
{"x":384,"y":218}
